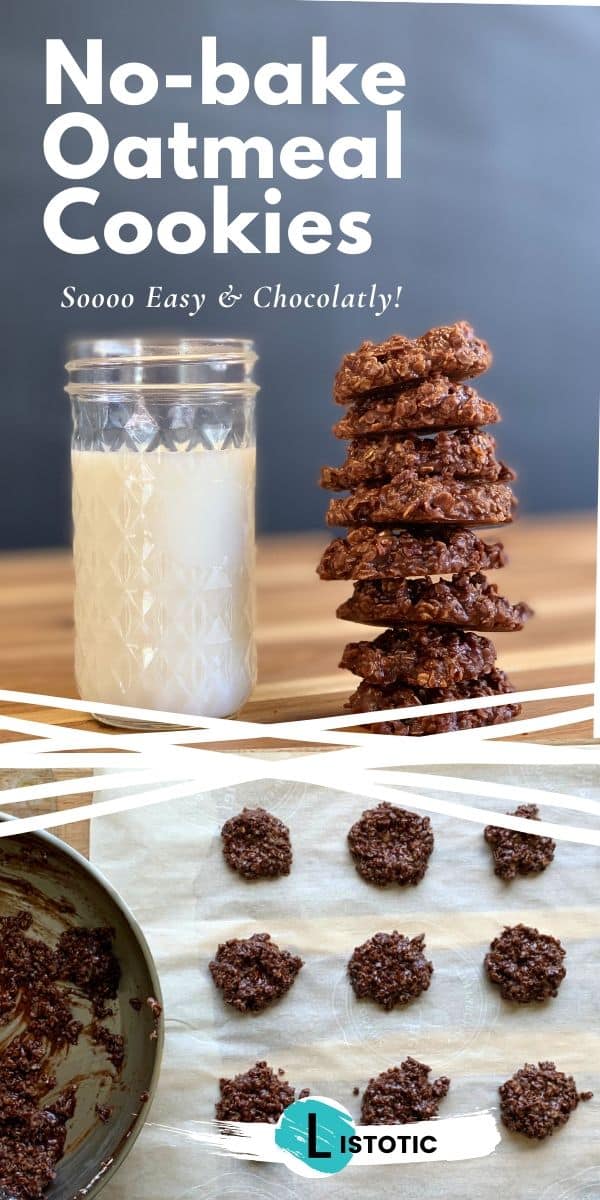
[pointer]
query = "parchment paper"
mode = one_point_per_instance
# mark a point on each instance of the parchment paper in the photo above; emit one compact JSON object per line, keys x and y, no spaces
{"x":167,"y":863}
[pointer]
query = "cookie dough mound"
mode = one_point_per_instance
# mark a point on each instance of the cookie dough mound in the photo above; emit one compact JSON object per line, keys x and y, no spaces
{"x":253,"y":972}
{"x":519,"y":853}
{"x":257,"y":845}
{"x":451,"y":350}
{"x":370,"y":553}
{"x":525,"y":964}
{"x":390,"y":969}
{"x":436,"y":404}
{"x":405,"y":500}
{"x":434,"y":656}
{"x":537,"y":1100}
{"x":368,"y":698}
{"x":470,"y":601}
{"x":464,"y":454}
{"x":403,"y":1095}
{"x":391,"y":845}
{"x":255,"y":1095}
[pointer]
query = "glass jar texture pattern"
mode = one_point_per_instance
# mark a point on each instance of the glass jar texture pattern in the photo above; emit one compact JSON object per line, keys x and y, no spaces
{"x":163,"y":462}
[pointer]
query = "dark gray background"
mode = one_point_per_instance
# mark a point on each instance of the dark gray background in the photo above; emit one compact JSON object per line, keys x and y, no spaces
{"x":496,"y":220}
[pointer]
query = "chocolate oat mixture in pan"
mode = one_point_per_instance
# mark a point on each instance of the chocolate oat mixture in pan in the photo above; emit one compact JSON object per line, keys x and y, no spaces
{"x":536,"y":1101}
{"x":36,"y":986}
{"x":257,"y":845}
{"x":434,"y":656}
{"x":403,"y":1095}
{"x":253,"y":972}
{"x":259,"y":1094}
{"x":525,"y":964}
{"x":390,"y":969}
{"x":391,"y":845}
{"x":420,"y":473}
{"x":85,"y":957}
{"x":112,"y":1043}
{"x":370,"y":553}
{"x":517,"y":853}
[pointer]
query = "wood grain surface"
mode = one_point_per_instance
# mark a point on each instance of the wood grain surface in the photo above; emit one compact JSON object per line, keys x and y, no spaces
{"x":552,"y":566}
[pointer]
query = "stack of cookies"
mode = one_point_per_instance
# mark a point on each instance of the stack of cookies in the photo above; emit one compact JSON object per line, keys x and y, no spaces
{"x":421,"y":474}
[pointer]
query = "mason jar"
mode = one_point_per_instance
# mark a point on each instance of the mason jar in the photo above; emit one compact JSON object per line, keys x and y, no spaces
{"x":163,"y":470}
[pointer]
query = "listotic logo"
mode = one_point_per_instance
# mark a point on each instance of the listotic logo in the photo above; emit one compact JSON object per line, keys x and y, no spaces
{"x":319,"y":1137}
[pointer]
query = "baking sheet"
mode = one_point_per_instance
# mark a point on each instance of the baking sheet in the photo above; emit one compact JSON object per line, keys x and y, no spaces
{"x":166,"y":861}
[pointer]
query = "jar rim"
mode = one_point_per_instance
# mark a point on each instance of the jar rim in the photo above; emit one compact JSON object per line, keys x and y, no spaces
{"x":82,"y":352}
{"x":122,"y":392}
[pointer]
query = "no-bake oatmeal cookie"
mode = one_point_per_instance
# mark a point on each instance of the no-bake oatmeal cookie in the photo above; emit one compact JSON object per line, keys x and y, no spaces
{"x":433,"y":405}
{"x":403,"y":1095}
{"x":463,"y":454}
{"x":391,"y":845}
{"x":257,"y":845}
{"x":536,"y":1101}
{"x":451,"y":350}
{"x":259,"y":1094}
{"x":517,"y":853}
{"x":406,"y":500}
{"x":470,"y":601}
{"x":434,"y":656}
{"x":368,"y":698}
{"x":370,"y":553}
{"x":390,"y":969}
{"x":253,"y":972}
{"x":525,"y":964}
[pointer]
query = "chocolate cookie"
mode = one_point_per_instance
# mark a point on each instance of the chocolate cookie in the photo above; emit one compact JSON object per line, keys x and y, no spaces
{"x":451,"y":350}
{"x":519,"y":853}
{"x":466,"y":600}
{"x":403,"y":1095}
{"x":369,"y":553}
{"x":368,"y":698}
{"x":253,"y":972}
{"x":256,"y":1095}
{"x":537,"y":1100}
{"x":464,"y":454}
{"x":526,"y":964}
{"x":434,"y":656}
{"x":390,"y":969}
{"x":405,"y":500}
{"x":391,"y":845}
{"x":435,"y":404}
{"x":257,"y":845}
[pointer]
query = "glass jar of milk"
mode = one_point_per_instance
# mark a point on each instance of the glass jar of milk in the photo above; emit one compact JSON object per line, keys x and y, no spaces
{"x":163,"y":460}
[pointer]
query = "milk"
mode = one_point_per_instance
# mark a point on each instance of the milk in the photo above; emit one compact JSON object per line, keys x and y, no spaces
{"x":164,"y":566}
